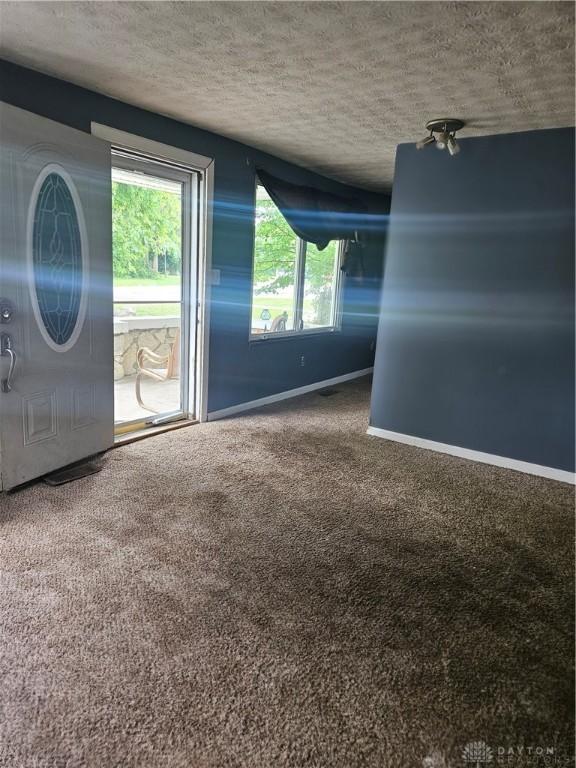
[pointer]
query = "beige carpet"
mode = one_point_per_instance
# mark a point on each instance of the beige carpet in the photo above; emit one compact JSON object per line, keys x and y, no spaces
{"x":279,"y":589}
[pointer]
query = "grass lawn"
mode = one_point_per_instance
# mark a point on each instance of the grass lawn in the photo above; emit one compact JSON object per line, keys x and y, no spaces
{"x":274,"y":304}
{"x":160,"y":280}
{"x":147,"y":310}
{"x":143,"y":309}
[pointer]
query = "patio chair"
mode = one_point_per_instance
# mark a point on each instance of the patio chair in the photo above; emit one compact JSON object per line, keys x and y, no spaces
{"x":279,"y":322}
{"x":162,"y":368}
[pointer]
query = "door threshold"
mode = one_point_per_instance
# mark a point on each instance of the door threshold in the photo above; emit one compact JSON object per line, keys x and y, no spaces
{"x":142,"y":434}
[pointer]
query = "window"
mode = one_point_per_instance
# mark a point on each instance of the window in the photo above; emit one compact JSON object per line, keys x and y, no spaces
{"x":295,"y":287}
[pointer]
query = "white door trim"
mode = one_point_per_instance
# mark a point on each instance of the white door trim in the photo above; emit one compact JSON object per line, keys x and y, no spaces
{"x":201,"y":313}
{"x":223,"y":412}
{"x":485,"y":458}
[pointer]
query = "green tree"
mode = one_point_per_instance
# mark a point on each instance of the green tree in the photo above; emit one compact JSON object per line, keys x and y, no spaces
{"x":274,"y":249}
{"x":275,"y":260}
{"x":319,"y":280}
{"x":146,"y":226}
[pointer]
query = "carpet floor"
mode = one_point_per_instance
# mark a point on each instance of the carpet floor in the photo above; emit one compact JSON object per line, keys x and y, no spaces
{"x":280,"y":590}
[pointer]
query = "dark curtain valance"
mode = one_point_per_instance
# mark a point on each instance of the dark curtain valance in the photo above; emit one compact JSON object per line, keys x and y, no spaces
{"x":314,"y":215}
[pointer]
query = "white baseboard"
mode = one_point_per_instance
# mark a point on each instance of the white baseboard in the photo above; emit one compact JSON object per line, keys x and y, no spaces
{"x":223,"y":412}
{"x":486,"y":458}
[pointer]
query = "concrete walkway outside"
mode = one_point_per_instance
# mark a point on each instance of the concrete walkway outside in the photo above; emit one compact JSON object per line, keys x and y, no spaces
{"x":163,"y":396}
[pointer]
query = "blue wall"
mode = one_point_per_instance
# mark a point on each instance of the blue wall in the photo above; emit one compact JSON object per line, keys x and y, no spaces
{"x":239,"y":370}
{"x":476,"y":337}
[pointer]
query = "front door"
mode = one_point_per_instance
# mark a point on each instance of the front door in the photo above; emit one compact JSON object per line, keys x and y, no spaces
{"x":56,"y":336}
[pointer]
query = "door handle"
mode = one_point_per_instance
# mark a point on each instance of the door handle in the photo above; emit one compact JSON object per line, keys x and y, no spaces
{"x":6,"y":350}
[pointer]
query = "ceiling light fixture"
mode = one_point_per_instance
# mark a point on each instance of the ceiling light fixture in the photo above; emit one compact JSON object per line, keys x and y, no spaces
{"x":452,"y":145}
{"x":442,"y":139}
{"x":442,"y":134}
{"x":425,"y":141}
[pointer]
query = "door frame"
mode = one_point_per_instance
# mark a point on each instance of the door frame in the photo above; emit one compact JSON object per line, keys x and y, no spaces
{"x":199,"y":309}
{"x":190,"y":186}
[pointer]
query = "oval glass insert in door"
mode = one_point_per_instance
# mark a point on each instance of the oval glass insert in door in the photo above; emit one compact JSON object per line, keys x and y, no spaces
{"x":57,"y":259}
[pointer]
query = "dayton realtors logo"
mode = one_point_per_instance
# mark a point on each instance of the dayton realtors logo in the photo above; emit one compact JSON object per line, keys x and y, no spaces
{"x":477,"y":754}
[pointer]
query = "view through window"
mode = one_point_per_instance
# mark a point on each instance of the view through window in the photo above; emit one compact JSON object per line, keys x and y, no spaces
{"x":295,"y":286}
{"x":147,"y":259}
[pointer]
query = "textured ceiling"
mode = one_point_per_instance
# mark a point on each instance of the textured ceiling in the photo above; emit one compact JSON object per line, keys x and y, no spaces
{"x":333,"y":86}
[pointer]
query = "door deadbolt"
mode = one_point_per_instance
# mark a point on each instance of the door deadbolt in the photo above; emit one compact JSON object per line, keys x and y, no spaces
{"x":6,"y":311}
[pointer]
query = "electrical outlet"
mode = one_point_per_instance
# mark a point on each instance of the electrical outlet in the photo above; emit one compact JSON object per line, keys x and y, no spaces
{"x":302,"y":361}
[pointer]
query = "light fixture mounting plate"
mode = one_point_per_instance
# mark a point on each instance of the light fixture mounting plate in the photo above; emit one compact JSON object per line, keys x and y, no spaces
{"x":448,"y":124}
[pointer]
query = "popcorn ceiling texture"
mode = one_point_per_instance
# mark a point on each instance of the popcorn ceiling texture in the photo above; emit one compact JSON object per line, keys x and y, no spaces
{"x":333,"y":86}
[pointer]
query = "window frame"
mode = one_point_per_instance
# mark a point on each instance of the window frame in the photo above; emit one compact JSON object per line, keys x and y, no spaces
{"x":300,"y":270}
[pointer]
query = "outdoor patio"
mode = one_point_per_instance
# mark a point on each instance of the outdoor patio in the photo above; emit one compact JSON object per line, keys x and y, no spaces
{"x":163,"y":396}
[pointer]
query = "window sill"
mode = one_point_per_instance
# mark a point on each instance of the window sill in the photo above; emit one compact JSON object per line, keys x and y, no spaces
{"x":277,"y":336}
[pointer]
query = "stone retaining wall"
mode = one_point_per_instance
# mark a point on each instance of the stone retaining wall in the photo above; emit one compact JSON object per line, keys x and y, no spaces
{"x":131,"y":333}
